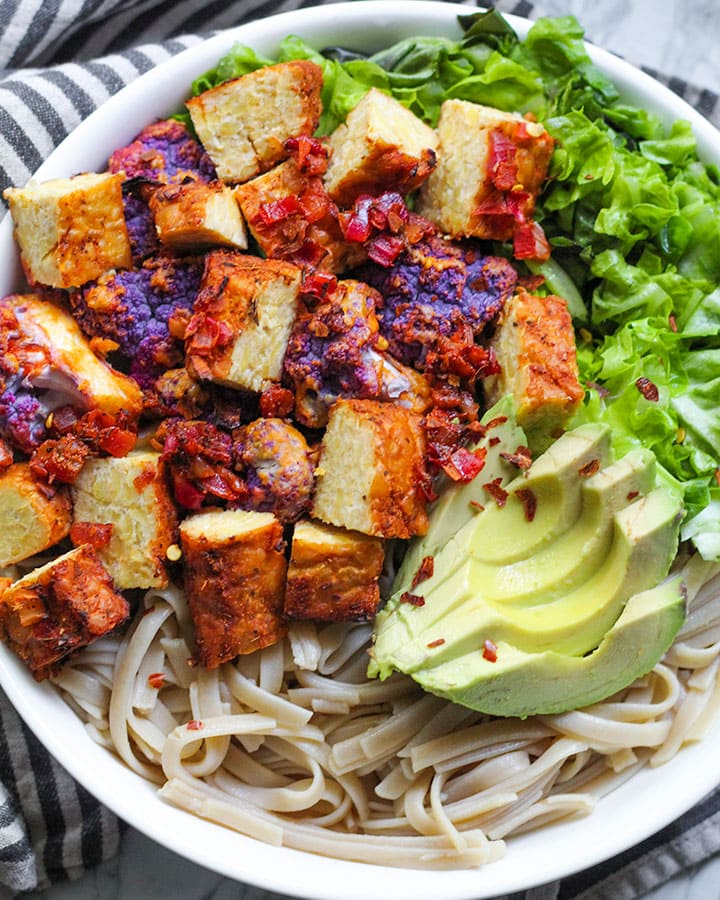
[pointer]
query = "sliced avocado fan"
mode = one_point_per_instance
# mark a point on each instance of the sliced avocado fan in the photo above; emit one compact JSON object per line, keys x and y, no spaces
{"x":548,"y":599}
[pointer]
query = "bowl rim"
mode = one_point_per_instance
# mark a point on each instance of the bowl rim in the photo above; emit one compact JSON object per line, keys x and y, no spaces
{"x":553,"y":852}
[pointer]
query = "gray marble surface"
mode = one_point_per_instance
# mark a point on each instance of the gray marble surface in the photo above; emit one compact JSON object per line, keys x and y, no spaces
{"x":677,"y":37}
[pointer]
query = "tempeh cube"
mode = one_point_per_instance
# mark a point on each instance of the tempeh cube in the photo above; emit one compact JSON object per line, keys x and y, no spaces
{"x":131,"y":495}
{"x":333,"y":574}
{"x":31,"y":520}
{"x":535,"y":348}
{"x":243,"y":316}
{"x":58,"y":609}
{"x":491,"y":166}
{"x":372,"y":470}
{"x":244,"y":123}
{"x":70,"y":230}
{"x":380,"y":146}
{"x":282,"y":236}
{"x":235,"y":581}
{"x":196,"y":216}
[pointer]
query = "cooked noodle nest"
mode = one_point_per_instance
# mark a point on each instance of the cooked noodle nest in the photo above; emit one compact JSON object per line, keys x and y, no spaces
{"x":294,"y":746}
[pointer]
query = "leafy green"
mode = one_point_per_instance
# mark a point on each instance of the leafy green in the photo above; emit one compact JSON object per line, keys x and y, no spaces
{"x":632,"y":215}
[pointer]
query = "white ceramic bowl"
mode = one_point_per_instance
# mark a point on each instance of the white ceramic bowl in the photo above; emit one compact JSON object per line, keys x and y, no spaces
{"x":643,"y":805}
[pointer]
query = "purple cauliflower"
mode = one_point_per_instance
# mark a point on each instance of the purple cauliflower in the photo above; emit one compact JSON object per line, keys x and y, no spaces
{"x":438,"y":289}
{"x":22,"y":415}
{"x":275,"y":462}
{"x":141,"y":228}
{"x":164,"y":152}
{"x":329,"y":352}
{"x":133,"y":308}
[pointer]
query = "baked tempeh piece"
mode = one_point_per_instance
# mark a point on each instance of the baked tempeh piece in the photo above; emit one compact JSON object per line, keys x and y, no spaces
{"x":372,"y":470}
{"x":131,"y":495}
{"x":244,"y":123}
{"x":235,"y":581}
{"x":31,"y":520}
{"x":70,"y":230}
{"x":59,"y":608}
{"x":333,"y":574}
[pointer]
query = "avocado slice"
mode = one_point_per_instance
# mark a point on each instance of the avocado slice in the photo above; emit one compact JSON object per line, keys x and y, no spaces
{"x":455,"y":506}
{"x":523,"y":684}
{"x":605,"y":536}
{"x":642,"y":546}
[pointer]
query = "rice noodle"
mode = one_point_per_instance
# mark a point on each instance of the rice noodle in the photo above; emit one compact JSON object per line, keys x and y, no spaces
{"x":293,"y":745}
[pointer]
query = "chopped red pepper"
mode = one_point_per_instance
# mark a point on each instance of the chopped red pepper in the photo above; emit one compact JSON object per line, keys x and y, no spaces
{"x":502,"y":162}
{"x":310,"y":154}
{"x":529,"y":242}
{"x":277,"y":210}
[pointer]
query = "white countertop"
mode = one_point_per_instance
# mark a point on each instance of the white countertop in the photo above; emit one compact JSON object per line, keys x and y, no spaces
{"x":677,"y":37}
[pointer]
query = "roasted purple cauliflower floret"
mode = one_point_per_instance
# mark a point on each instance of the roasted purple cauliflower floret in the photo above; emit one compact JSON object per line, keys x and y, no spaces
{"x":22,"y":415}
{"x":438,"y":289}
{"x":141,"y":228}
{"x":166,"y":153}
{"x":275,"y":462}
{"x":133,"y":308}
{"x":328,"y":354}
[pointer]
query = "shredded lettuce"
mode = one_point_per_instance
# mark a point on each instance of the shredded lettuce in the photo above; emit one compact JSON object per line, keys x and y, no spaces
{"x":632,"y":214}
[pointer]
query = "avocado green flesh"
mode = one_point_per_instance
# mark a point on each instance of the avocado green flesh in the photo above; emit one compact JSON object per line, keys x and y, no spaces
{"x":455,"y":507}
{"x":553,"y":475}
{"x":553,"y":588}
{"x":523,"y":684}
{"x":642,"y":547}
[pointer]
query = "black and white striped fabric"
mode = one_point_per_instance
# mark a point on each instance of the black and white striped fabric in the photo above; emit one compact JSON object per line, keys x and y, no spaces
{"x":59,"y":60}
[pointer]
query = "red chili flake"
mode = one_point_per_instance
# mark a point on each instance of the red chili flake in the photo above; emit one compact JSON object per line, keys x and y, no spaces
{"x":590,"y":468}
{"x":647,"y":389}
{"x":632,"y":495}
{"x":717,"y":476}
{"x":477,"y":505}
{"x":498,"y":494}
{"x":529,"y":502}
{"x":157,"y":680}
{"x":194,"y":725}
{"x":277,"y":210}
{"x":437,"y":643}
{"x":672,"y":323}
{"x":494,"y":441}
{"x":427,"y":567}
{"x":95,"y":534}
{"x":521,"y":458}
{"x":412,"y":599}
{"x":498,"y":420}
{"x":490,"y":651}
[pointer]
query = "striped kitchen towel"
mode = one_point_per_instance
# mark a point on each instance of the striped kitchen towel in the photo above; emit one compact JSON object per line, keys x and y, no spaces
{"x":59,"y":60}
